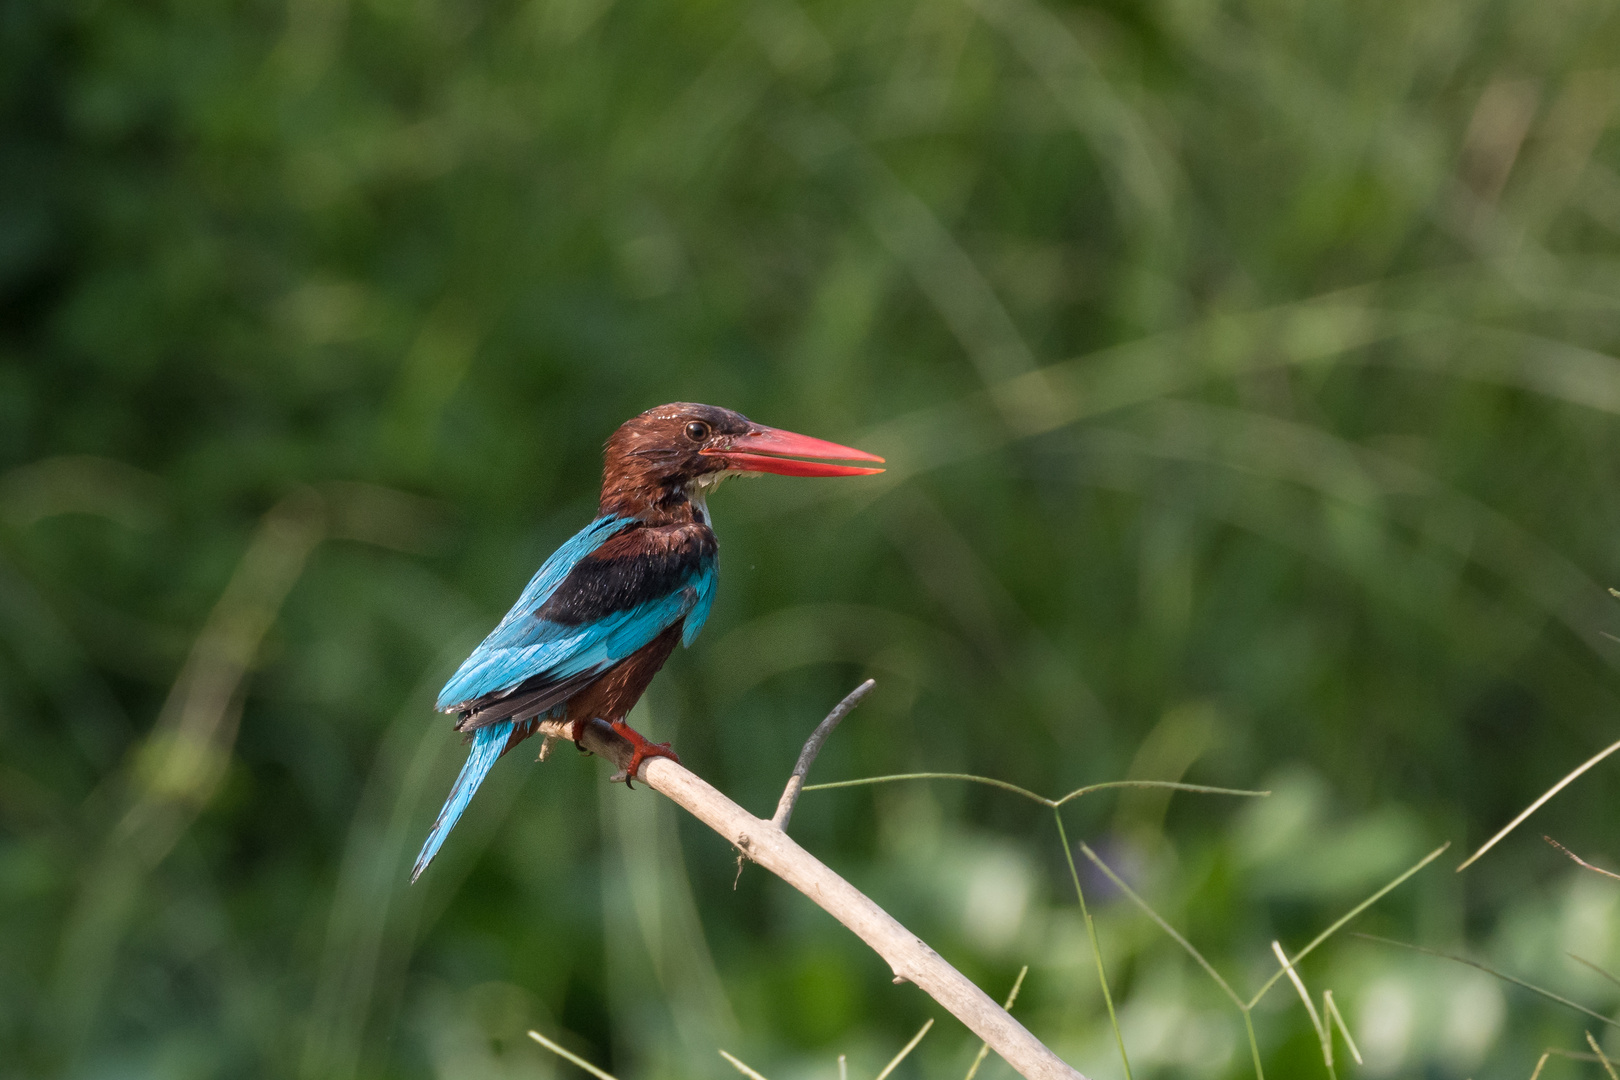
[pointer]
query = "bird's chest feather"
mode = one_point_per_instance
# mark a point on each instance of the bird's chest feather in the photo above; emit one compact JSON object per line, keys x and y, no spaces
{"x":612,"y":696}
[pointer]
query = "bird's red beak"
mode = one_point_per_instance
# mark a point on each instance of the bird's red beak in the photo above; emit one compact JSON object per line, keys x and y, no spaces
{"x":770,"y":450}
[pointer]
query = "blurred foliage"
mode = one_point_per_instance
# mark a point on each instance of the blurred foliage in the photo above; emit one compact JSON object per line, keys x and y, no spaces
{"x":1247,"y":373}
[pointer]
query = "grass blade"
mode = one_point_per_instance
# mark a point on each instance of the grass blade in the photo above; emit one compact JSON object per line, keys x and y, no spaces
{"x":569,"y":1055}
{"x":1254,"y":1045}
{"x":1091,"y":931}
{"x":901,"y":1056}
{"x":1299,"y":984}
{"x":1533,"y":807}
{"x":984,"y":1048}
{"x":1162,"y":924}
{"x":1532,"y":987}
{"x":1323,"y":1033}
{"x":1351,"y":914}
{"x":1600,"y":970}
{"x":1332,"y":1010}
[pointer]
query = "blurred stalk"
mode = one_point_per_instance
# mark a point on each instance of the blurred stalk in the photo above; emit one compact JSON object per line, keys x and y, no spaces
{"x":174,"y":772}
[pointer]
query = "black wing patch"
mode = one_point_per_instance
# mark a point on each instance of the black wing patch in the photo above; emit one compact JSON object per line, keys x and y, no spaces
{"x":597,"y":587}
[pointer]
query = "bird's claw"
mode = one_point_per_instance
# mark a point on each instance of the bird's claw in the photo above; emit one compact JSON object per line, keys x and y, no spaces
{"x":640,"y":749}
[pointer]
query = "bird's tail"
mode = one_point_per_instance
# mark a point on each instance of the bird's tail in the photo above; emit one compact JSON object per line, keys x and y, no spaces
{"x":487,"y":746}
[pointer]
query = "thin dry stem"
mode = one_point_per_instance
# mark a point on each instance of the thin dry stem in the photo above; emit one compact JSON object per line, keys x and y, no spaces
{"x":1533,"y":807}
{"x":740,"y":1067}
{"x":1096,"y":946}
{"x":812,"y":747}
{"x":1608,"y":1066}
{"x":984,"y":1048}
{"x":1580,"y":861}
{"x":1299,"y":984}
{"x":1605,"y":972}
{"x":907,"y":1049}
{"x":1130,"y":893}
{"x":1331,"y":1009}
{"x":1324,"y":1034}
{"x":600,"y":1074}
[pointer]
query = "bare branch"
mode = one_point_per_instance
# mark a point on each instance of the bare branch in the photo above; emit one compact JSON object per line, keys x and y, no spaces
{"x":906,"y":954}
{"x":812,"y":747}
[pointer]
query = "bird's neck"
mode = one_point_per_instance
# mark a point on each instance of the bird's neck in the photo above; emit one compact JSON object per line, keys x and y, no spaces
{"x":656,"y":504}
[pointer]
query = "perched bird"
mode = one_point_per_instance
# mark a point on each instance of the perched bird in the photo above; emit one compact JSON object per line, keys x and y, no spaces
{"x":602,"y":615}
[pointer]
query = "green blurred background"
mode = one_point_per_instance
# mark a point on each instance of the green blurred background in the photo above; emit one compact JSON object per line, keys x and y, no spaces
{"x":1246,"y":373}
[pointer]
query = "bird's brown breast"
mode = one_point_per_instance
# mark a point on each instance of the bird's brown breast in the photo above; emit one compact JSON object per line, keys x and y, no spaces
{"x":612,"y":696}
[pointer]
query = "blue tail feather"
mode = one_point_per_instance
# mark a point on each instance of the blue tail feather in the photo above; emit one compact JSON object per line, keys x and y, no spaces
{"x":488,"y":743}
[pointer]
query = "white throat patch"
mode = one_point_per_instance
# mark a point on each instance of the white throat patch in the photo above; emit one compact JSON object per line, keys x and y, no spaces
{"x":697,"y":490}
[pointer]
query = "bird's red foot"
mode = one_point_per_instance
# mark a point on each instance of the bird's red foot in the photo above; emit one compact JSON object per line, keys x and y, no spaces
{"x":642,"y":749}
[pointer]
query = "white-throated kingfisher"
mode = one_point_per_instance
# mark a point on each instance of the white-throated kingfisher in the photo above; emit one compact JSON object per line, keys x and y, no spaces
{"x":602,"y":615}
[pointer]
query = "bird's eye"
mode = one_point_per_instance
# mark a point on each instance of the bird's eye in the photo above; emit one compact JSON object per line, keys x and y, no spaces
{"x":697,"y":431}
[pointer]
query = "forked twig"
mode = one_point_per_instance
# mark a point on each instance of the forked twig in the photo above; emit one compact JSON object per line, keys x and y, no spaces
{"x":1053,"y":804}
{"x":906,"y":954}
{"x":812,"y":747}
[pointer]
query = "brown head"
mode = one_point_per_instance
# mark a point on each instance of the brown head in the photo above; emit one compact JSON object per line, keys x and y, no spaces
{"x":656,"y":463}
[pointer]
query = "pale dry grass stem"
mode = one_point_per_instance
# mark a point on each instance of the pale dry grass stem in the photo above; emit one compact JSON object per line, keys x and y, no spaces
{"x":984,"y":1048}
{"x":569,"y":1055}
{"x":1319,"y":1021}
{"x":741,"y":1067}
{"x":905,"y":1051}
{"x":1608,"y":1066}
{"x":1537,"y":805}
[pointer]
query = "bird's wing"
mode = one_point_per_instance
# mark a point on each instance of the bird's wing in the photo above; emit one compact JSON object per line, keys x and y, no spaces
{"x":613,"y":597}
